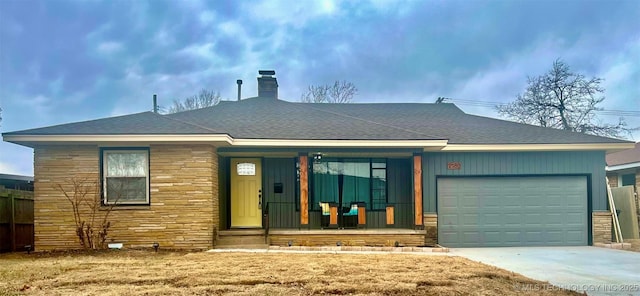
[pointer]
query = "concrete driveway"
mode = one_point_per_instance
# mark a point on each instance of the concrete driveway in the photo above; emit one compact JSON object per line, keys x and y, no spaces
{"x":597,"y":271}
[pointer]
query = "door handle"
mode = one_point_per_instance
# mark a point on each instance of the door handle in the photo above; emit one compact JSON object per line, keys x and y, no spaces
{"x":259,"y":199}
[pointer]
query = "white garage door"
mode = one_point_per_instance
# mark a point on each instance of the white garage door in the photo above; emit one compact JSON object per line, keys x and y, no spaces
{"x":512,"y":211}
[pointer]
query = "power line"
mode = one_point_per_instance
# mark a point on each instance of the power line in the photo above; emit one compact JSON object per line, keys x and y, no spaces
{"x":489,"y":104}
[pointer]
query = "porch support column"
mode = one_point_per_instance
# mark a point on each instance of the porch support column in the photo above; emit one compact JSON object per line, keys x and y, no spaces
{"x":304,"y":189}
{"x":417,"y":190}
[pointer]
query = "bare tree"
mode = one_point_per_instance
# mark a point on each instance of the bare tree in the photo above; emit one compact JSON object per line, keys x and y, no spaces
{"x":564,"y":100}
{"x":206,"y":98}
{"x":91,"y":217}
{"x":339,"y":92}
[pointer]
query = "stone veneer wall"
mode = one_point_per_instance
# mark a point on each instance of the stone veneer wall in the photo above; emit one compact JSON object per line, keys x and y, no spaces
{"x":431,"y":228}
{"x":356,"y":238}
{"x":183,"y":213}
{"x":613,"y":180}
{"x":601,"y":227}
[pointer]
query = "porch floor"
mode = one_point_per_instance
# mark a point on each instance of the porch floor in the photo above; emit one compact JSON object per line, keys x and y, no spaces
{"x":347,"y":237}
{"x":338,"y":250}
{"x":377,"y":231}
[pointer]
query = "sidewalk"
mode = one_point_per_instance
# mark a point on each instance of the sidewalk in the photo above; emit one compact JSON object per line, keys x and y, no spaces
{"x":342,"y":250}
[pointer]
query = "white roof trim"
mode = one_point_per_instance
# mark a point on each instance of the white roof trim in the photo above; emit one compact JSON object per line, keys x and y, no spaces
{"x":537,"y":147}
{"x":623,"y":166}
{"x":117,"y":138}
{"x":228,"y":140}
{"x":340,"y":143}
{"x":224,"y":139}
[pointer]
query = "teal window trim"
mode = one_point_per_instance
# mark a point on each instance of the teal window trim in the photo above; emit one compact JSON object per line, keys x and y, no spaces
{"x":379,"y":169}
{"x":297,"y":185}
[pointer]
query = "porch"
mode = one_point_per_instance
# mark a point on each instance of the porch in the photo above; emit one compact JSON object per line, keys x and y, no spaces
{"x":353,"y":215}
{"x":262,"y":239}
{"x":353,"y":199}
{"x":347,"y":237}
{"x":342,"y":225}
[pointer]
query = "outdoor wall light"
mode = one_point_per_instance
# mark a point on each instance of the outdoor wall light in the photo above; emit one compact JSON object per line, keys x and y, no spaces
{"x":339,"y":243}
{"x":28,"y":248}
{"x":156,"y":246}
{"x":289,"y":243}
{"x":317,"y":158}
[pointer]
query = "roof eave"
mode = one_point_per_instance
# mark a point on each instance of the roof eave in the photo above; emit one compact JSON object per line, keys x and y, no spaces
{"x":620,"y":167}
{"x":341,"y":143}
{"x":227,"y":140}
{"x":221,"y":139}
{"x":35,"y":140}
{"x":16,"y":177}
{"x":609,"y":147}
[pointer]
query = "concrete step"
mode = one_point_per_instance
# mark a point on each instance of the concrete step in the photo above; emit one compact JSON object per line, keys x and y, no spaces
{"x":243,"y":246}
{"x":241,"y":232}
{"x":239,"y":240}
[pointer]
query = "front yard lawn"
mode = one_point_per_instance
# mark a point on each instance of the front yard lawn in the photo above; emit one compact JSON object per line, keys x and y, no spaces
{"x":174,"y":273}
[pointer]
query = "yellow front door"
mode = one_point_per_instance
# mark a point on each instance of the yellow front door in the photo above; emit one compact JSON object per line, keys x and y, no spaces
{"x":246,"y":192}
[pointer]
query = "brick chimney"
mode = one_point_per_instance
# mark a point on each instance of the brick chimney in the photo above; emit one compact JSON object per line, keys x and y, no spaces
{"x":267,"y":84}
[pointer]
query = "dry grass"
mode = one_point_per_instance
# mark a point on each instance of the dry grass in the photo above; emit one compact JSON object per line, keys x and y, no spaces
{"x":172,"y":273}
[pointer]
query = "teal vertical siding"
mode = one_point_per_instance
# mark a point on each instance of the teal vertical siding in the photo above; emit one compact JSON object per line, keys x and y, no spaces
{"x":223,"y":191}
{"x":282,"y":206}
{"x":399,"y":174}
{"x":589,"y":163}
{"x":400,"y":191}
{"x":279,"y":170}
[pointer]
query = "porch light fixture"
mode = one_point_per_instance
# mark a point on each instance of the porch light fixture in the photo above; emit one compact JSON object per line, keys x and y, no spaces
{"x":289,"y":243}
{"x":28,"y":248}
{"x":317,"y":157}
{"x":339,"y":243}
{"x":156,"y":245}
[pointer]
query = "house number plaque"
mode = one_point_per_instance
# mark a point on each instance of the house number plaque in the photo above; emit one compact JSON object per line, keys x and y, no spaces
{"x":454,"y":165}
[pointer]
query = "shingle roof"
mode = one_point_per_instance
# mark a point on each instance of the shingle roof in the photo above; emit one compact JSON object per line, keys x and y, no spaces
{"x":264,"y":118}
{"x":267,"y":118}
{"x":624,"y":157}
{"x":135,"y":124}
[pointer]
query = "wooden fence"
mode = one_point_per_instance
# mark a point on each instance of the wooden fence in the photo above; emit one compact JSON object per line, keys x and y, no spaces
{"x":16,"y":220}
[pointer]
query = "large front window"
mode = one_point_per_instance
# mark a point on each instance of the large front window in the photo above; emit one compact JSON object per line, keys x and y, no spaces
{"x":345,"y":181}
{"x":125,"y":176}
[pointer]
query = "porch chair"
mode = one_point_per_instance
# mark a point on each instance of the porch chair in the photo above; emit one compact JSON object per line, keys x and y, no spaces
{"x":329,"y":217}
{"x":356,"y":217}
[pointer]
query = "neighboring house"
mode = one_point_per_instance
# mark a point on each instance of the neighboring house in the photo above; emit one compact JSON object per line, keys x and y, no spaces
{"x":623,"y":168}
{"x":17,"y":182}
{"x":419,"y":173}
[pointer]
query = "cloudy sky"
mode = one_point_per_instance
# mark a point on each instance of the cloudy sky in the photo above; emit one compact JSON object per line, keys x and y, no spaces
{"x":66,"y":61}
